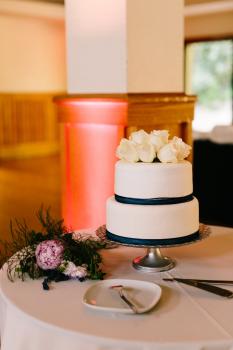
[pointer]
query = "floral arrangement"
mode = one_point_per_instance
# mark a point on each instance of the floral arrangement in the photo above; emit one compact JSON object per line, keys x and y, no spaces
{"x":155,"y":146}
{"x":52,"y":253}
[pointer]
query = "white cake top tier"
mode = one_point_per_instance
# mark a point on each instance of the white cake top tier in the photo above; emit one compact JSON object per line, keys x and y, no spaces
{"x":153,"y":180}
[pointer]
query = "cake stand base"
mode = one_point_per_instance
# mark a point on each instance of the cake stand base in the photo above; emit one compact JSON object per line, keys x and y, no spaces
{"x":153,"y":261}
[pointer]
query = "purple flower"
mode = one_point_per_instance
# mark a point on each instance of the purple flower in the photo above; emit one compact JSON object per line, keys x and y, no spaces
{"x":49,"y":254}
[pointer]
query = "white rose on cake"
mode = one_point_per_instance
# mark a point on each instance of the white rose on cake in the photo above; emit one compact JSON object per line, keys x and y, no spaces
{"x":146,"y":152}
{"x":176,"y":150}
{"x":158,"y":138}
{"x":145,"y":147}
{"x":139,"y":137}
{"x":182,"y":148}
{"x":127,"y":151}
{"x":168,"y":154}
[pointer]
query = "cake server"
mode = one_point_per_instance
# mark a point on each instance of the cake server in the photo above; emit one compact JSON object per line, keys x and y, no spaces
{"x":205,"y":286}
{"x":120,"y":290}
{"x":205,"y":280}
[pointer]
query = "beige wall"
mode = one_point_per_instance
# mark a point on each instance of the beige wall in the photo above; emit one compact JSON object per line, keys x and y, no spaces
{"x":209,"y":20}
{"x":118,"y":46}
{"x":209,"y":26}
{"x":32,"y":46}
{"x":96,"y":46}
{"x":155,"y":45}
{"x":192,"y":2}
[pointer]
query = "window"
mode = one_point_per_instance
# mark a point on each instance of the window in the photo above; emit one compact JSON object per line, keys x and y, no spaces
{"x":209,"y":76}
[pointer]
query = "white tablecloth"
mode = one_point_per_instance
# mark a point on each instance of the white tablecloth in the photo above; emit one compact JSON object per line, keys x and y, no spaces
{"x":185,"y":318}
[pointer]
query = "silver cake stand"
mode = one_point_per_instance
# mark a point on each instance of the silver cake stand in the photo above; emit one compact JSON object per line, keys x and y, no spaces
{"x":154,"y":260}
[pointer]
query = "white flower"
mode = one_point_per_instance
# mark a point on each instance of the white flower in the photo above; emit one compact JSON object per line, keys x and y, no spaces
{"x":73,"y":271}
{"x":83,"y":235}
{"x":175,"y":151}
{"x":145,"y":147}
{"x":127,"y":151}
{"x":146,"y":152}
{"x":182,"y":148}
{"x":139,"y":137}
{"x":159,"y":138}
{"x":168,"y":153}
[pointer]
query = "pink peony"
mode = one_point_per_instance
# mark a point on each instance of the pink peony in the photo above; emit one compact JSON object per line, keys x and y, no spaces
{"x":49,"y":254}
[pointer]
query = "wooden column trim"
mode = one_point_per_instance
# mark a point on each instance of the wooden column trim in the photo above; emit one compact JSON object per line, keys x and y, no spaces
{"x":172,"y":111}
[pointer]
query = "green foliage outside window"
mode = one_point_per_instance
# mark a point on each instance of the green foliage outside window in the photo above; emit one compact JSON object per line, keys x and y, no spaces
{"x":212,"y":72}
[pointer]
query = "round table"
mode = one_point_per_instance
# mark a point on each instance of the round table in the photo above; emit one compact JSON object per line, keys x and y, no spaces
{"x":184,"y":318}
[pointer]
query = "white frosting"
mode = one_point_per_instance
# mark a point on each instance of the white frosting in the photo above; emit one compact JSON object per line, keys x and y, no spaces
{"x":152,"y":221}
{"x":153,"y":180}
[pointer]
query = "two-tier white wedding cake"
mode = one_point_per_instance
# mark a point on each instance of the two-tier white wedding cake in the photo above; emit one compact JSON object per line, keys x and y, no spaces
{"x":153,"y":202}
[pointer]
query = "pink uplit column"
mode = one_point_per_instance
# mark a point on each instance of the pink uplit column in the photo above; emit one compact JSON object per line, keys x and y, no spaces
{"x":91,"y":130}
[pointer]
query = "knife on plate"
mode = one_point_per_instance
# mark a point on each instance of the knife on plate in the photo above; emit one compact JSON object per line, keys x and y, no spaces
{"x":205,"y":286}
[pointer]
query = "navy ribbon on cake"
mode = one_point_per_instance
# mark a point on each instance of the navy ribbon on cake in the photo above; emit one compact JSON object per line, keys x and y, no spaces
{"x":152,"y":242}
{"x":153,"y":201}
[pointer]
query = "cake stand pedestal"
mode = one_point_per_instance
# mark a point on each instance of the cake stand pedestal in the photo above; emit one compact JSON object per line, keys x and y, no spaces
{"x":154,"y":260}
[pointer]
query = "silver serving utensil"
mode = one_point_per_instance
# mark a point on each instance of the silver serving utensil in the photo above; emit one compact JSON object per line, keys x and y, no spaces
{"x":227,"y":282}
{"x":205,"y":286}
{"x":120,"y":289}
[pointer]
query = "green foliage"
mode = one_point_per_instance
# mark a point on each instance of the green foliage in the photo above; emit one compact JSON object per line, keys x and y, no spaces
{"x":212,"y":72}
{"x":19,"y":253}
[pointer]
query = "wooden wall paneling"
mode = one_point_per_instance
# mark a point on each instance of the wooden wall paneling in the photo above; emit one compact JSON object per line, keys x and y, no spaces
{"x":173,"y":112}
{"x":28,"y":122}
{"x":28,"y":125}
{"x":148,"y":111}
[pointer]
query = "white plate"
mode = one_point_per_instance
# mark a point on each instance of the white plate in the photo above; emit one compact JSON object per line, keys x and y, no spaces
{"x":100,"y":296}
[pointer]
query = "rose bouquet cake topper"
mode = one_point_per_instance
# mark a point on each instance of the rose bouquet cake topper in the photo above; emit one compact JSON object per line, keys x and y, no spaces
{"x":151,"y":147}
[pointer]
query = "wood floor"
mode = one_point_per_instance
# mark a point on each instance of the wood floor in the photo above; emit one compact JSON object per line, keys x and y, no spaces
{"x":24,"y":186}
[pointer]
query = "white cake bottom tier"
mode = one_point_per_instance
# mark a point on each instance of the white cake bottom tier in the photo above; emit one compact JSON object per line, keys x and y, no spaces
{"x":152,"y":221}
